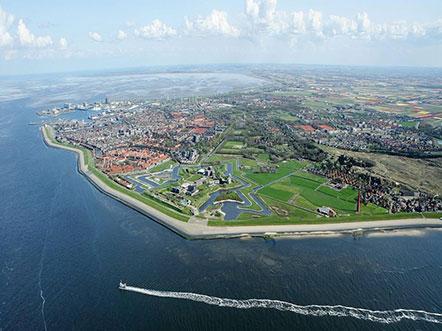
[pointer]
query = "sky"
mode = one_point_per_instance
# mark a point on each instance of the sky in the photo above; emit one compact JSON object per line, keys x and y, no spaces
{"x":55,"y":36}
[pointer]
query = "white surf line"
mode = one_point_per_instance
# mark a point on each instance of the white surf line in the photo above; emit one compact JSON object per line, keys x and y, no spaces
{"x":380,"y":316}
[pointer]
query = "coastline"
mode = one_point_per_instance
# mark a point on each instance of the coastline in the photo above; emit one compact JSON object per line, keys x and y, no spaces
{"x":200,"y":230}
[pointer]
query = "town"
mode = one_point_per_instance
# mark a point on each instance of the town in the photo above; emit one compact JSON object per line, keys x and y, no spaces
{"x":259,"y":154}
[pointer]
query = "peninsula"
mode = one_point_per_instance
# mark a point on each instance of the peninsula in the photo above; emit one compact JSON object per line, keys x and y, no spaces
{"x":200,"y":229}
{"x":206,"y":168}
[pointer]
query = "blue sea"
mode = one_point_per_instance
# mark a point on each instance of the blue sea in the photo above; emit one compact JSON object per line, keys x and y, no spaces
{"x":64,"y":247}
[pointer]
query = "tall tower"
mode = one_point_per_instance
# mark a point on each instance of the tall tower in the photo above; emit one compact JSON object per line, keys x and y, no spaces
{"x":358,"y":204}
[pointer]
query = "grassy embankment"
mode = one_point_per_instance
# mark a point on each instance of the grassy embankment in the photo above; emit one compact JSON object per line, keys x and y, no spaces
{"x":89,"y":161}
{"x":271,"y":220}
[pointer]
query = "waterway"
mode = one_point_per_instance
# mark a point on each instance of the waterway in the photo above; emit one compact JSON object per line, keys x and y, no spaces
{"x":64,"y":247}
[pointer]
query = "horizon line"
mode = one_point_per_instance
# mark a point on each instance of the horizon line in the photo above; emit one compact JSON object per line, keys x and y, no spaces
{"x":213,"y":64}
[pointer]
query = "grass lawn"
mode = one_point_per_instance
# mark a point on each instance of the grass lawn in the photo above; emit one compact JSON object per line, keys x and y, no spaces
{"x":216,"y":158}
{"x":308,"y":193}
{"x":320,"y":199}
{"x":250,"y":163}
{"x":163,"y":166}
{"x":283,"y":169}
{"x":202,"y":196}
{"x":348,"y":193}
{"x":313,"y":177}
{"x":263,"y":157}
{"x":408,"y":124}
{"x":230,"y":151}
{"x":285,"y":116}
{"x":276,"y":193}
{"x":302,"y":202}
{"x":303,"y":182}
{"x":231,"y":147}
{"x":233,"y":144}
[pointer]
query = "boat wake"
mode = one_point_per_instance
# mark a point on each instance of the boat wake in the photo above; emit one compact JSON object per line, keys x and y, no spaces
{"x":43,"y":309}
{"x":380,"y":316}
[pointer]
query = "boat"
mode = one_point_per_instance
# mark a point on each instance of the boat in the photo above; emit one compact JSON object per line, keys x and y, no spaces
{"x":122,"y":285}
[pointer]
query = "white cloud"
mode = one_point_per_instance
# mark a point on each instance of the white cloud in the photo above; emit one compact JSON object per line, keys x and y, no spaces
{"x":261,"y":11}
{"x":95,"y":36}
{"x":6,"y":21}
{"x":252,"y":8}
{"x":18,"y":41}
{"x":339,"y":25}
{"x":264,"y":20}
{"x":156,"y":30}
{"x":63,"y":43}
{"x":364,"y":24}
{"x":434,"y":30}
{"x":314,"y":22}
{"x":121,"y":35}
{"x":297,"y":23}
{"x":28,"y":39}
{"x":214,"y":24}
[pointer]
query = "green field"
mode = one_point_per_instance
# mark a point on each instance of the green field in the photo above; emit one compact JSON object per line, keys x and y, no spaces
{"x":304,"y":183}
{"x":285,"y":116}
{"x":409,"y":124}
{"x":276,"y":193}
{"x":348,"y":193}
{"x":217,"y":158}
{"x":301,"y":192}
{"x":313,"y":177}
{"x":163,"y":166}
{"x":309,"y":192}
{"x":231,"y":147}
{"x":281,"y":170}
{"x":233,"y":144}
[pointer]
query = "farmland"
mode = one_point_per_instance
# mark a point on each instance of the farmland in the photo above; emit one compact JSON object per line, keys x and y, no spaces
{"x":292,"y":194}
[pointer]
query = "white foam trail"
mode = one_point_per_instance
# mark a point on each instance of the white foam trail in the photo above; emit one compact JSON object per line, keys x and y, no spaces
{"x":43,"y":253}
{"x":380,"y":316}
{"x":39,"y":285}
{"x":43,"y":310}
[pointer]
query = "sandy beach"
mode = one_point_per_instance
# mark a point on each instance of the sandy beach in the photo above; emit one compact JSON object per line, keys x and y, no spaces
{"x":200,"y":230}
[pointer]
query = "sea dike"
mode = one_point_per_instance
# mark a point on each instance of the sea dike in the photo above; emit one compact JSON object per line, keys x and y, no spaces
{"x":192,"y":230}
